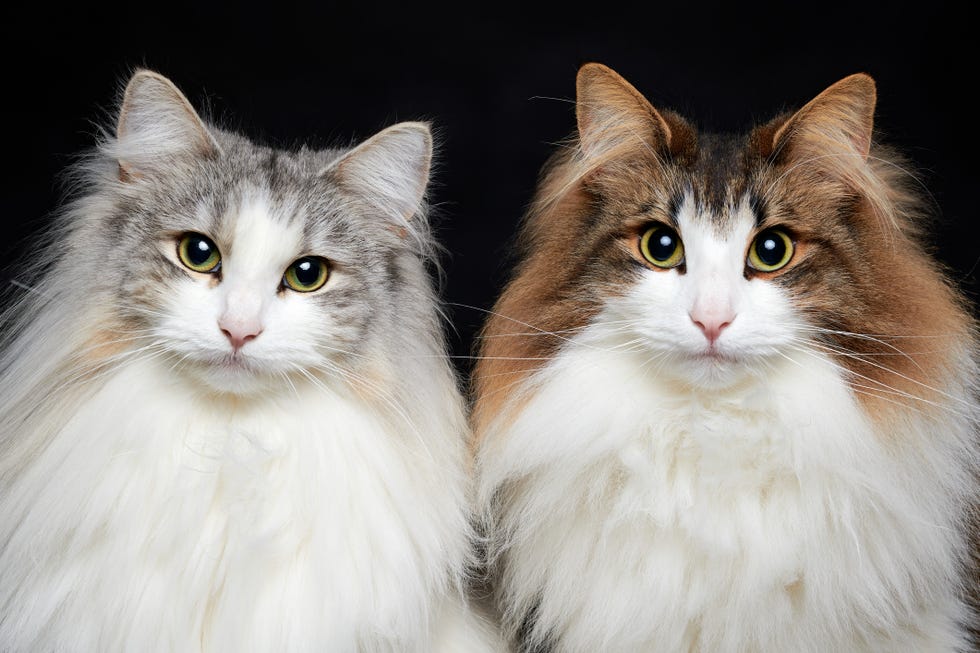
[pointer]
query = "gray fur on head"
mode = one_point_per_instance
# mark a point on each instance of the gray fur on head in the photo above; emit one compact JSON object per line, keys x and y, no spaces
{"x":110,"y":270}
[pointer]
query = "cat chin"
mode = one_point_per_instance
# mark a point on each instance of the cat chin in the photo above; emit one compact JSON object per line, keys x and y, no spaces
{"x":234,"y":378}
{"x":712,"y":375}
{"x":712,"y":370}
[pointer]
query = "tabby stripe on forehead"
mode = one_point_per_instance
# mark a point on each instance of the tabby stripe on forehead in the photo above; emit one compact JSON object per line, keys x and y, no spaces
{"x":274,"y":172}
{"x":718,"y":171}
{"x":670,"y":211}
{"x":674,"y":207}
{"x":759,"y":207}
{"x":219,"y":207}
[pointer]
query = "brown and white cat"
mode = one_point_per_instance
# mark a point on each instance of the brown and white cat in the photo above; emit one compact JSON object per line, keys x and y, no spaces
{"x":728,"y":401}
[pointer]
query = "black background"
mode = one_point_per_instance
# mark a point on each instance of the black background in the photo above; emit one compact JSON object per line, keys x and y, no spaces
{"x":496,"y":81}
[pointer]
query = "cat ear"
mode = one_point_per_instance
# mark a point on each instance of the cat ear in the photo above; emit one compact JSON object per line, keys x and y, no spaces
{"x":839,"y":121}
{"x":390,"y":170}
{"x":157,"y":126}
{"x":614,"y":118}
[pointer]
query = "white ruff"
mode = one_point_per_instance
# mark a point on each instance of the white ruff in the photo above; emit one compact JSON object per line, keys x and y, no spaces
{"x":632,"y":513}
{"x":156,"y":519}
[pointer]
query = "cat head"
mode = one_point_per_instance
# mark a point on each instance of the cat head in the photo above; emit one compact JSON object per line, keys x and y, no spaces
{"x":244,"y":264}
{"x":708,"y":258}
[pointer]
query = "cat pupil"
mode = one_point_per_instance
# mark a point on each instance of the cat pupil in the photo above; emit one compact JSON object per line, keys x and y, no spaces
{"x":306,"y":272}
{"x":664,"y":247}
{"x":771,"y":250}
{"x":199,"y":252}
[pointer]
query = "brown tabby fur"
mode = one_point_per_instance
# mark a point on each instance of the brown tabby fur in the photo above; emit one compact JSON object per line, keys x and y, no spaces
{"x":801,"y":171}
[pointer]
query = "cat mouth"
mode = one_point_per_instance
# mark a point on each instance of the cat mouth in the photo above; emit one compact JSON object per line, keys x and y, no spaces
{"x":234,"y":363}
{"x":713,"y":355}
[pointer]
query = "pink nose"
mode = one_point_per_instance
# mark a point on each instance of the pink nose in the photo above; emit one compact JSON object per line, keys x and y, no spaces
{"x":712,"y":323}
{"x":238,"y":334}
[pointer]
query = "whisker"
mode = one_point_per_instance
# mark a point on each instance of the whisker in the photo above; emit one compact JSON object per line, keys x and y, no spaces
{"x":320,"y":344}
{"x":384,"y":395}
{"x":884,"y":387}
{"x":285,"y":377}
{"x":611,"y":326}
{"x":31,"y":289}
{"x":839,"y":349}
{"x":496,"y":358}
{"x":905,"y":377}
{"x":512,"y":319}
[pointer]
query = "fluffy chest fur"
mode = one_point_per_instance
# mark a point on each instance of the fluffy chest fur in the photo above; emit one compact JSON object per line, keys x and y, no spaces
{"x":304,"y":520}
{"x":634,"y":513}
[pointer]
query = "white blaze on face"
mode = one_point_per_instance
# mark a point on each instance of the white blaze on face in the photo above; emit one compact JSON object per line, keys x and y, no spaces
{"x":244,"y":315}
{"x":714,"y":284}
{"x":710,"y":321}
{"x":262,"y":247}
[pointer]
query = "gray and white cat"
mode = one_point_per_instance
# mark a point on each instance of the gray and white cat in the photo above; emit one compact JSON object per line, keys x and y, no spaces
{"x":227,"y":421}
{"x":729,"y":401}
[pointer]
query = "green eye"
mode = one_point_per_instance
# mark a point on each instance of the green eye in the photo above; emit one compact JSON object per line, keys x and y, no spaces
{"x":306,"y":274}
{"x":662,"y":246}
{"x":771,"y":250}
{"x":198,"y":252}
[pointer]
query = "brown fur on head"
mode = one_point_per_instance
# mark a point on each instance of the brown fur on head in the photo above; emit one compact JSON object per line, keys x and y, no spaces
{"x":862,"y":271}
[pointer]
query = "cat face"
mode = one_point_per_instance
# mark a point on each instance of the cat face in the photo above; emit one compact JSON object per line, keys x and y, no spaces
{"x":274,"y":301}
{"x":247,"y":266}
{"x":708,"y":259}
{"x":715,"y":263}
{"x":698,"y":306}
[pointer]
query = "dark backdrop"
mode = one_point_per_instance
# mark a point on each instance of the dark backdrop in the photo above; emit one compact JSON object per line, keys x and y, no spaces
{"x":496,"y":82}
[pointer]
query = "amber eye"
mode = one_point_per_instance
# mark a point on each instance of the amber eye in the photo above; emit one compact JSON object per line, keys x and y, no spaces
{"x":198,"y":252}
{"x":306,"y":274}
{"x":771,"y":250}
{"x":662,"y":246}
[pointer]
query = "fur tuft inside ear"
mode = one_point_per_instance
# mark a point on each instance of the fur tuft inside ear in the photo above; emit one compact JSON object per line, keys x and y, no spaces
{"x":390,"y":170}
{"x":157,"y":125}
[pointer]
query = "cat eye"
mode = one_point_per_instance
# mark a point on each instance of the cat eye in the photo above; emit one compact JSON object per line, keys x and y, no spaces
{"x":306,"y":274}
{"x":198,"y":252}
{"x":662,"y":246}
{"x":771,"y":250}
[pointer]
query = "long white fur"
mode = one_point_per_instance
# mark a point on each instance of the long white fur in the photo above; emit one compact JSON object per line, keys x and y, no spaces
{"x":645,"y":501}
{"x":307,"y":519}
{"x":150,"y":502}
